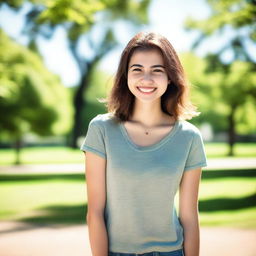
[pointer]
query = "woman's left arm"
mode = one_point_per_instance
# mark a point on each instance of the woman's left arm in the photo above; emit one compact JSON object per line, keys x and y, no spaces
{"x":188,"y":211}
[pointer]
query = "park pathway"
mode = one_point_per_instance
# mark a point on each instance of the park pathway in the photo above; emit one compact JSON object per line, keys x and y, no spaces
{"x":17,"y":239}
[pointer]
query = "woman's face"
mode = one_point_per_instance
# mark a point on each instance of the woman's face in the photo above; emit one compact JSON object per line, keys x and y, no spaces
{"x":147,"y":77}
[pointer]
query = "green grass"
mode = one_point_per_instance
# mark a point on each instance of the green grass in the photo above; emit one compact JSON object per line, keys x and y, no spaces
{"x":222,"y":149}
{"x":43,"y":198}
{"x":42,"y":155}
{"x":46,"y":155}
{"x":227,"y":198}
{"x":244,"y":218}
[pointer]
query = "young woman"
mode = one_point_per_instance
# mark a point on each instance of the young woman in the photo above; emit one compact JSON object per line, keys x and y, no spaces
{"x":140,"y":153}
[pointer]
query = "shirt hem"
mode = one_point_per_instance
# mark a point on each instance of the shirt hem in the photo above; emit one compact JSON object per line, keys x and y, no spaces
{"x":195,"y":166}
{"x":86,"y":148}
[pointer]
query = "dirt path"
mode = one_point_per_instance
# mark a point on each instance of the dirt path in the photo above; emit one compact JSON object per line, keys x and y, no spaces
{"x":17,"y":239}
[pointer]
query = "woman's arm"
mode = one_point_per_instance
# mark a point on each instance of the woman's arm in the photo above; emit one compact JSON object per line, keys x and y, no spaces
{"x":96,"y":194}
{"x":188,"y":211}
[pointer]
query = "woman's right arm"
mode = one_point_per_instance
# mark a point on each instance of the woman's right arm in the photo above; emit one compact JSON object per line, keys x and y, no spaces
{"x":96,"y":195}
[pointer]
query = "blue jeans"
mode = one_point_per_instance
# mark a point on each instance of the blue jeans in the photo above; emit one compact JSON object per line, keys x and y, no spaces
{"x":173,"y":253}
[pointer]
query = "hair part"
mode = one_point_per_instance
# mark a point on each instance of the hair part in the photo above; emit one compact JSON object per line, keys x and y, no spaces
{"x":174,"y":102}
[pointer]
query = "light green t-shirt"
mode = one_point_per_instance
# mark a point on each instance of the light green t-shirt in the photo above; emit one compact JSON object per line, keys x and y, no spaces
{"x":141,"y":183}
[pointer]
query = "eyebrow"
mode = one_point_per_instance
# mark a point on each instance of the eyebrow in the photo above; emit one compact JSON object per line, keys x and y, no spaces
{"x":154,"y":66}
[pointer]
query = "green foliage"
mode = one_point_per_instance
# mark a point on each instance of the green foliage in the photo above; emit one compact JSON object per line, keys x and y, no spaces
{"x":100,"y":84}
{"x":78,"y":16}
{"x":235,"y":16}
{"x":31,"y":98}
{"x":80,"y":19}
{"x":16,"y":4}
{"x":79,"y":11}
{"x":218,"y":90}
{"x":89,"y":111}
{"x":237,"y":79}
{"x":235,"y":13}
{"x":133,"y":11}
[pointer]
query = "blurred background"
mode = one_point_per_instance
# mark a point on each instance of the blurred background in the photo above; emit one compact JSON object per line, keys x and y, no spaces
{"x":58,"y":58}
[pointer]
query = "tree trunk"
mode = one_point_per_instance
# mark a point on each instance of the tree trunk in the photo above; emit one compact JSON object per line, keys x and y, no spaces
{"x":79,"y":103}
{"x":17,"y":147}
{"x":231,"y":131}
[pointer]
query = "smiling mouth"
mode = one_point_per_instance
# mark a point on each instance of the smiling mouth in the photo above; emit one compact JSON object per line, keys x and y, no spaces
{"x":146,"y":89}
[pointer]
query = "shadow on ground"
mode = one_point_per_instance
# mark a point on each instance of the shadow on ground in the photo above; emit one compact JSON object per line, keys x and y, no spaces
{"x":212,"y":174}
{"x":41,"y":177}
{"x":52,"y":216}
{"x":227,"y":204}
{"x":60,"y":214}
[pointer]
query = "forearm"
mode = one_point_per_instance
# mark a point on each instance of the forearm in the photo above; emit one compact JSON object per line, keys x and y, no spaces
{"x":97,"y":235}
{"x":191,"y":236}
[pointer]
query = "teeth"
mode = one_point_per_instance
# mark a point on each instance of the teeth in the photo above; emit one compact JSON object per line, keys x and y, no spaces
{"x":146,"y":89}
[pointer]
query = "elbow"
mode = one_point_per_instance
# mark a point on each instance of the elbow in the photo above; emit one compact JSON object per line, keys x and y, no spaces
{"x":190,"y":221}
{"x":188,"y":217}
{"x":94,"y":215}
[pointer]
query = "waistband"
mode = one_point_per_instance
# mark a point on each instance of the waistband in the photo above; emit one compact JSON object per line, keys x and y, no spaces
{"x":172,"y":253}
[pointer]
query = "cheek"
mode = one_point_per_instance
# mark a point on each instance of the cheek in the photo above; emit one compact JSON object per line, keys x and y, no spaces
{"x":130,"y":82}
{"x":163,"y":80}
{"x":163,"y":84}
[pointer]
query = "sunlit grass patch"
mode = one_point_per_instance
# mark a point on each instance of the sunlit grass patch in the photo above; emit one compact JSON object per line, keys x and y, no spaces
{"x":226,"y":198}
{"x":243,"y":218}
{"x":21,"y":199}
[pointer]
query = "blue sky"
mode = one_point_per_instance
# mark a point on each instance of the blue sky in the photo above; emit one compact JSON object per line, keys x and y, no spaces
{"x":166,"y":17}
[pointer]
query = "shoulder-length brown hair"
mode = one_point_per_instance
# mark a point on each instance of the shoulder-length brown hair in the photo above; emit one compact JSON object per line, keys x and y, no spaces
{"x":174,"y":102}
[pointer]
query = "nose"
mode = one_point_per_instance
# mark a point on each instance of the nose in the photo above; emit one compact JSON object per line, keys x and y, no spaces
{"x":147,"y":77}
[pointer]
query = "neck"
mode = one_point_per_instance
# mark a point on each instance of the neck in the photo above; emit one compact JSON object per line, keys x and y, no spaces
{"x":149,"y":115}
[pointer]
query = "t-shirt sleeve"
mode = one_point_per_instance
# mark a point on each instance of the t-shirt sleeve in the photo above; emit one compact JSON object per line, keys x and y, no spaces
{"x":94,"y":140}
{"x":196,"y":157}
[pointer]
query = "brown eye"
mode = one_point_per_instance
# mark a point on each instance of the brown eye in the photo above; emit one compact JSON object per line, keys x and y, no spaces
{"x":158,"y":70}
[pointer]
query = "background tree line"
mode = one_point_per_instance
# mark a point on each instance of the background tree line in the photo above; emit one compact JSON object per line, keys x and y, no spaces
{"x":32,"y":99}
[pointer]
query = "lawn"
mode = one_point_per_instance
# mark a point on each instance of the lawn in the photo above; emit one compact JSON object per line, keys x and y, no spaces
{"x":227,"y":198}
{"x":46,"y":155}
{"x":42,"y":155}
{"x":59,"y":199}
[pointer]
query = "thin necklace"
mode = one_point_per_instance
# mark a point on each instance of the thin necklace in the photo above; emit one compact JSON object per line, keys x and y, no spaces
{"x":146,"y":131}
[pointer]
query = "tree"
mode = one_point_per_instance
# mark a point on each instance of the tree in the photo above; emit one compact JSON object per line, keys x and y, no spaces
{"x":236,"y":16}
{"x":235,"y":77}
{"x":81,"y":19}
{"x":31,"y":98}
